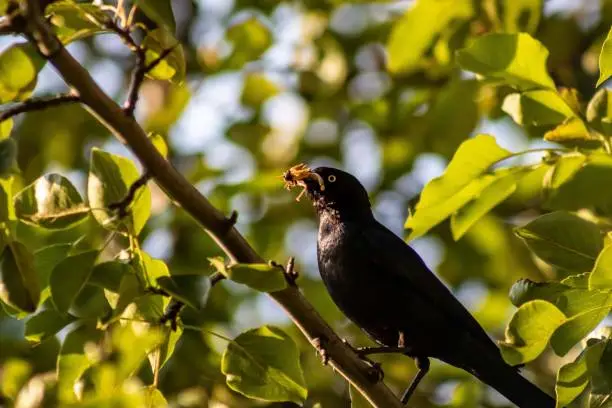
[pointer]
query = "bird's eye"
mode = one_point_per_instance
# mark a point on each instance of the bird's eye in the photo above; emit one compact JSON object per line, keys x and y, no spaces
{"x":331,"y":178}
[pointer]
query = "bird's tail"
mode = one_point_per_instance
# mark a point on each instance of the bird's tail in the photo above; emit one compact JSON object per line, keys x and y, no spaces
{"x":507,"y":381}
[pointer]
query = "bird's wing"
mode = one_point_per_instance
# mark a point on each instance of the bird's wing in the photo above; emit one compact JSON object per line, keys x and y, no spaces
{"x":394,"y":256}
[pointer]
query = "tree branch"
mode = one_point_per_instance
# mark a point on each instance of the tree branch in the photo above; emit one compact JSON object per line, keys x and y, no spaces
{"x":38,"y":104}
{"x":124,"y":127}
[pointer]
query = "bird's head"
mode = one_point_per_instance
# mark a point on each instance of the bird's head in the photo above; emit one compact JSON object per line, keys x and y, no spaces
{"x":330,"y":189}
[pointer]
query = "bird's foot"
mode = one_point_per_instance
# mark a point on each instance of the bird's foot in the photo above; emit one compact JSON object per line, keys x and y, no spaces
{"x":289,"y":271}
{"x":376,"y":373}
{"x":319,"y":344}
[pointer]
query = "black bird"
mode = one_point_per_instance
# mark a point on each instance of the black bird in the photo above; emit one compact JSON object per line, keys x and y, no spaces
{"x":383,"y":286}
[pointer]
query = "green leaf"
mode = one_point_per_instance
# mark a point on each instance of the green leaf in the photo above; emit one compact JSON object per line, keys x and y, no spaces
{"x":572,"y":131}
{"x":108,"y":275}
{"x":133,"y":344}
{"x":537,"y":108}
{"x":529,"y":330}
{"x":257,"y":89}
{"x":605,"y":60}
{"x":496,"y":192}
{"x":159,"y":11}
{"x":525,"y":290}
{"x":517,"y":59}
{"x":129,"y":289}
{"x":45,"y":324}
{"x":110,"y":177}
{"x":91,"y":303}
{"x":599,"y":111}
{"x":149,"y":269}
{"x":72,"y":361}
{"x":154,"y":398}
{"x":521,"y":15}
{"x":582,"y":184}
{"x":189,"y":289}
{"x":264,"y":363}
{"x":45,"y":259}
{"x":75,"y":21}
{"x":19,"y":285}
{"x":3,"y":7}
{"x":358,"y":400}
{"x":261,"y":277}
{"x":601,"y":276}
{"x":573,"y":378}
{"x":8,"y":154}
{"x":51,"y":202}
{"x":419,"y":26}
{"x":173,"y":65}
{"x":564,"y":240}
{"x":15,"y":374}
{"x":7,"y":209}
{"x":68,"y":278}
{"x":574,"y":329}
{"x":461,"y":182}
{"x":171,"y":338}
{"x":250,"y":39}
{"x":19,"y":67}
{"x":5,"y":128}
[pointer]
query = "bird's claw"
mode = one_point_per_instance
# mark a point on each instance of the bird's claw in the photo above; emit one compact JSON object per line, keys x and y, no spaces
{"x":289,"y":271}
{"x":319,"y":344}
{"x":375,"y":373}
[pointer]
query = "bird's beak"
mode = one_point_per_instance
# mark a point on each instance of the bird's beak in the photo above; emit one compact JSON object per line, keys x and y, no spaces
{"x":299,"y":175}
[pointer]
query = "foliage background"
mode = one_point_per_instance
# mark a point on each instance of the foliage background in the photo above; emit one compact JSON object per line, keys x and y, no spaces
{"x":269,"y":84}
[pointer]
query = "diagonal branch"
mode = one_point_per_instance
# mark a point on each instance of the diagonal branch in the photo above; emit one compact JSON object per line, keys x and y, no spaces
{"x":38,"y":104}
{"x":124,"y":127}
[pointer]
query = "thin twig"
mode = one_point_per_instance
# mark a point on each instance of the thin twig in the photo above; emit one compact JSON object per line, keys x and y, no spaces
{"x":138,"y":77}
{"x":38,"y":104}
{"x":122,"y":206}
{"x":181,"y":191}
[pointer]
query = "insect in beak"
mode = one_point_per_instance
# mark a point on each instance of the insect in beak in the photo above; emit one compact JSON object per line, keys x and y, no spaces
{"x":297,"y":175}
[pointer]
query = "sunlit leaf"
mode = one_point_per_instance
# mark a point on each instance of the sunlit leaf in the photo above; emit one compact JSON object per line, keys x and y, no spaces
{"x":522,"y":15}
{"x":537,"y":108}
{"x":262,"y":277}
{"x":572,"y":131}
{"x":159,"y":143}
{"x":582,"y":183}
{"x":529,"y":330}
{"x":110,"y":177}
{"x":421,"y":23}
{"x":19,"y":284}
{"x":173,"y":65}
{"x":599,"y":111}
{"x":51,"y":202}
{"x":575,"y":328}
{"x":7,"y":209}
{"x":517,"y":59}
{"x":19,"y":67}
{"x":189,"y":289}
{"x":68,"y":278}
{"x":72,"y":361}
{"x":5,"y":128}
{"x":601,"y":276}
{"x":264,"y":364}
{"x":573,"y":377}
{"x":564,"y":240}
{"x":490,"y":196}
{"x":15,"y":374}
{"x":605,"y":60}
{"x":461,"y":182}
{"x":75,"y":21}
